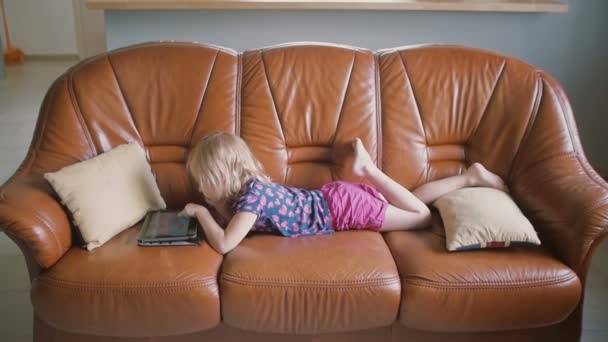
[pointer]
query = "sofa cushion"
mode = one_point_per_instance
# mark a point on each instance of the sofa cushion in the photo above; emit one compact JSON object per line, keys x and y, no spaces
{"x":481,"y":290}
{"x":121,"y":289}
{"x":332,"y":283}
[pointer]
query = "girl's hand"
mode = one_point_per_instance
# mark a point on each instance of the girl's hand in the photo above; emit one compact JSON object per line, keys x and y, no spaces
{"x":193,"y":210}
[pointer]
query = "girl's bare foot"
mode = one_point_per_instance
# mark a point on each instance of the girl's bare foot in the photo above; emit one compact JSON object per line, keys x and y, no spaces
{"x":480,"y":176}
{"x":363,"y":164}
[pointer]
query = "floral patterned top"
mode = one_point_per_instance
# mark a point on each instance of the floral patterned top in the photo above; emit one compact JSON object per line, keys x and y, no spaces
{"x":284,"y":210}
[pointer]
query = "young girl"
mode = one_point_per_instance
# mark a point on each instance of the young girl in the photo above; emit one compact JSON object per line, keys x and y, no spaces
{"x":233,"y":182}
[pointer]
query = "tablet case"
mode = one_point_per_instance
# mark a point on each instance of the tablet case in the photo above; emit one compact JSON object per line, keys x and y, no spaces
{"x":166,"y":228}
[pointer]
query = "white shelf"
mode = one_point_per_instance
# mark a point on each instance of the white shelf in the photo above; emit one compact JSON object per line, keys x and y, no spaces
{"x":399,"y":5}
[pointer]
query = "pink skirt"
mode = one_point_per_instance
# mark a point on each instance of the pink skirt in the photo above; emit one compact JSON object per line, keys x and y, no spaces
{"x":354,"y":206}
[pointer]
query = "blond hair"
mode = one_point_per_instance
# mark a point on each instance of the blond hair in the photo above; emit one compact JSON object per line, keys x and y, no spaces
{"x":224,"y":162}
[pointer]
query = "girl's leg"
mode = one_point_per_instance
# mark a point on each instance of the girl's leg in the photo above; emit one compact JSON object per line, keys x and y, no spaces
{"x":405,"y":211}
{"x":475,"y":175}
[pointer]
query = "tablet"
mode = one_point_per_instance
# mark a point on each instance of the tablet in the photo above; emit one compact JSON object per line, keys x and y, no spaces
{"x":168,"y":226}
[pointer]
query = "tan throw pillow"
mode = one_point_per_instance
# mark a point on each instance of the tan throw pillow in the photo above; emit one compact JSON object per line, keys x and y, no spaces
{"x":477,"y":218}
{"x":109,"y":193}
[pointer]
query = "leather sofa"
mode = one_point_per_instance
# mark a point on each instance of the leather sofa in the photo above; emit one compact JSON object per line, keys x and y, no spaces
{"x":424,"y":112}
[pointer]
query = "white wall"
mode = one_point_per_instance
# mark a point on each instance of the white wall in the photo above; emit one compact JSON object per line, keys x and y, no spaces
{"x":90,"y":29}
{"x":571,"y":46}
{"x":42,"y":27}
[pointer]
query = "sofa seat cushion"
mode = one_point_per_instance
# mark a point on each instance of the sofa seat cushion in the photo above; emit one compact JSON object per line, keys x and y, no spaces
{"x":481,"y":290}
{"x":321,"y":284}
{"x":121,"y":289}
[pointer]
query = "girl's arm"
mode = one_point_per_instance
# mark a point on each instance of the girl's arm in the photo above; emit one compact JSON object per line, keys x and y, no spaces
{"x":223,"y":241}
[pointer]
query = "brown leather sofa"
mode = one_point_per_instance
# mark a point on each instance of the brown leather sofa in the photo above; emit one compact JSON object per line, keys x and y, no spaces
{"x":424,"y":112}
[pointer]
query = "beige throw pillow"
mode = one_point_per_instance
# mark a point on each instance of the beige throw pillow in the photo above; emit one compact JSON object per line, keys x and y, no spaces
{"x":109,"y":193}
{"x":477,"y":218}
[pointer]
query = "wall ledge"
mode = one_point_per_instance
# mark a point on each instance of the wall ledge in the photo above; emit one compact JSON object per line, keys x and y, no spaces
{"x":398,"y":5}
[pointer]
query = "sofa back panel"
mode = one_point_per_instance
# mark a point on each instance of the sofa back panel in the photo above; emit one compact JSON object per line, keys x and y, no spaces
{"x":301,"y":107}
{"x":166,"y":96}
{"x":59,"y":138}
{"x":164,"y":88}
{"x":510,"y":112}
{"x":553,"y":132}
{"x":444,"y":108}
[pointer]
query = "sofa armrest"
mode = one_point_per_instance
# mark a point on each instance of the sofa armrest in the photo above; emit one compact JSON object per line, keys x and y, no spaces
{"x":32,"y":217}
{"x":568,"y":203}
{"x":552,"y":181}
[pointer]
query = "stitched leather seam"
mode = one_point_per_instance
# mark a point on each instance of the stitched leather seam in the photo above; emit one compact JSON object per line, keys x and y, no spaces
{"x":173,"y":43}
{"x":491,"y":285}
{"x":239,"y":90}
{"x":307,"y":282}
{"x":126,"y":289}
{"x":274,"y":105}
{"x":409,"y":80}
{"x":378,"y":99}
{"x":48,"y":281}
{"x":302,"y":285}
{"x":563,"y":113}
{"x":529,"y":126}
{"x":79,"y":116}
{"x":276,"y":111}
{"x":350,"y":74}
{"x":600,"y":183}
{"x":426,"y":140}
{"x":302,"y":288}
{"x":485,"y":288}
{"x":485,"y":109}
{"x":124,"y":98}
{"x":200,"y":107}
{"x":43,"y":126}
{"x":226,"y":275}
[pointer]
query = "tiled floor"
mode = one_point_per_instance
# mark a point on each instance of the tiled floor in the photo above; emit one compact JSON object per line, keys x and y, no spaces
{"x":20,"y":98}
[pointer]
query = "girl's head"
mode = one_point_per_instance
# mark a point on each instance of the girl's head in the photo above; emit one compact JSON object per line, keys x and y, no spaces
{"x":220,"y":164}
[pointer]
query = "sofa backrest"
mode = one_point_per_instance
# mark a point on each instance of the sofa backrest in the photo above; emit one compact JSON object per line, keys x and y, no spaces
{"x":301,"y":105}
{"x":164,"y":96}
{"x":446,"y":107}
{"x":423,"y":112}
